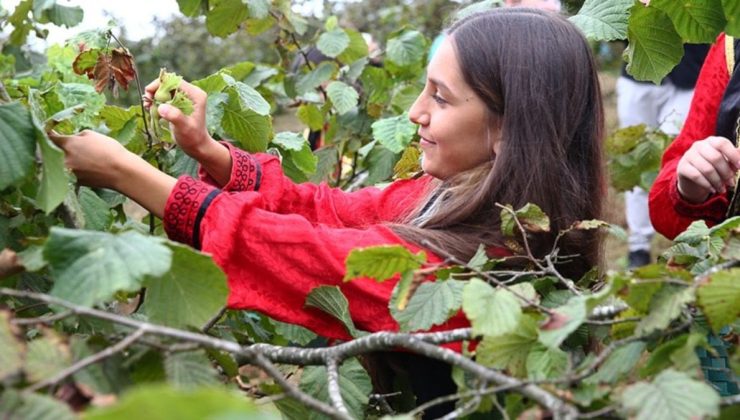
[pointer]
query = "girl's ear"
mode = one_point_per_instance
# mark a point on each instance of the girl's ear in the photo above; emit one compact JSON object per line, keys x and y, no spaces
{"x":494,"y":138}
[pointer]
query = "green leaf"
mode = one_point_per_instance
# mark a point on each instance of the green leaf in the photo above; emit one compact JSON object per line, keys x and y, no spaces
{"x":106,"y":377}
{"x":17,"y":135}
{"x":11,"y":357}
{"x":311,"y":116}
{"x":719,"y":298}
{"x":354,"y":385}
{"x":198,"y":285}
{"x":603,"y":20}
{"x":312,"y":80}
{"x":249,"y":98}
{"x":531,"y":217}
{"x":492,"y":312}
{"x":190,"y":370}
{"x":182,"y":102}
{"x":258,"y":9}
{"x":666,"y":306}
{"x":89,"y":267}
{"x":290,"y":141}
{"x":433,"y":303}
{"x":509,"y":351}
{"x":331,"y":300}
{"x":16,"y":405}
{"x":679,"y":352}
{"x":546,"y":363}
{"x":382,"y":262}
{"x":395,"y":133}
{"x":406,"y":49}
{"x":46,"y":356}
{"x":654,"y":45}
{"x":732,"y":14}
{"x":293,"y":333}
{"x":698,"y":21}
{"x":695,"y":233}
{"x":380,"y":162}
{"x":356,"y":49}
{"x":190,"y":8}
{"x":63,"y":15}
{"x":566,"y":319}
{"x":333,"y":42}
{"x":618,"y":364}
{"x":225,"y":17}
{"x":672,"y":395}
{"x":251,"y":130}
{"x":162,"y":402}
{"x":95,"y":210}
{"x":342,"y":96}
{"x":54,"y":178}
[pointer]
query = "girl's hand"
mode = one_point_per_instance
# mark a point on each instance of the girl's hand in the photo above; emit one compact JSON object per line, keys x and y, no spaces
{"x":191,"y":134}
{"x":189,"y":130}
{"x":707,"y":168}
{"x":100,"y":161}
{"x":94,"y":158}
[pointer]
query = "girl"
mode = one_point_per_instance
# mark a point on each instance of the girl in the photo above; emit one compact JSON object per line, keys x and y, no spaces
{"x":511,"y":113}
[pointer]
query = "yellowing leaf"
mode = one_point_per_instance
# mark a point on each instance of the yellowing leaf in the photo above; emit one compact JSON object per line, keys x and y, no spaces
{"x":382,"y":262}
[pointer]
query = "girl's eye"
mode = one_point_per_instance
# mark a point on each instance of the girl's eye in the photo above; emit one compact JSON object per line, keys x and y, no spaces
{"x":438,"y":99}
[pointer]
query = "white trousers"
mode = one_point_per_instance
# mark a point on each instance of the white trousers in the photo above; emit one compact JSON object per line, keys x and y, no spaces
{"x":665,"y":107}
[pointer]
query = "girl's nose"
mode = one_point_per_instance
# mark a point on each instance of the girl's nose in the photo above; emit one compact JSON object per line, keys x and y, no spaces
{"x":417,"y":113}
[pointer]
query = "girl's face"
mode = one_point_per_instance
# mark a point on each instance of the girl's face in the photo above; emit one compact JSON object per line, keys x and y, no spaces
{"x":454,"y":124}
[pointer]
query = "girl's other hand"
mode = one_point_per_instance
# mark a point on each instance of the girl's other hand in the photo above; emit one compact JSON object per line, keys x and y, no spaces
{"x":707,"y":168}
{"x":189,"y":130}
{"x":94,"y":158}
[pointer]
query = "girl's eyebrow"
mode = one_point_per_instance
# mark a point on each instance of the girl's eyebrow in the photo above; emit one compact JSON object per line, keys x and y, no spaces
{"x":441,"y":85}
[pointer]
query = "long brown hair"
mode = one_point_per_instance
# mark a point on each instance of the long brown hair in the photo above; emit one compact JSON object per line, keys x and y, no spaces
{"x":535,"y":72}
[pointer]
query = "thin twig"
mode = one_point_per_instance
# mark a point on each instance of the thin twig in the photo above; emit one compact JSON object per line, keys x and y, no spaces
{"x":211,"y":322}
{"x":332,"y":385}
{"x":550,"y":267}
{"x":612,"y":321}
{"x":104,"y":354}
{"x":451,"y":258}
{"x":294,"y":392}
{"x":598,"y":413}
{"x":42,"y":319}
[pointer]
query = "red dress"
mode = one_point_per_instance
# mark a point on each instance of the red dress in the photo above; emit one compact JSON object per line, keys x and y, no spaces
{"x":277,"y":240}
{"x":669,"y":212}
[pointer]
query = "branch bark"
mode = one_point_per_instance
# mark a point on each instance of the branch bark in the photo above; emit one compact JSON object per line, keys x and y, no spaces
{"x":335,"y":393}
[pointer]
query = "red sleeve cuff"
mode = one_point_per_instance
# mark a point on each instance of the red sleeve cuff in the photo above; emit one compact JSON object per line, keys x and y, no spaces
{"x":712,"y":210}
{"x":246,"y":171}
{"x":185,"y":208}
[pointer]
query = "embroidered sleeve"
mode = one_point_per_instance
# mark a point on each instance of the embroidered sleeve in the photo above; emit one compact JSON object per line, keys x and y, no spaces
{"x":185,"y":208}
{"x":246,"y":171}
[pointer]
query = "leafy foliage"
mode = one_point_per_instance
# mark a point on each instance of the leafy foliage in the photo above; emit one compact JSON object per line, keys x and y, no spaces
{"x":531,"y":326}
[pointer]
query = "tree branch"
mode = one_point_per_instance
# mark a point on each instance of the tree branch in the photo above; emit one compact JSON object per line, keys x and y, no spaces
{"x":335,"y":393}
{"x":42,"y":319}
{"x":104,"y":354}
{"x":294,"y":392}
{"x":424,"y":344}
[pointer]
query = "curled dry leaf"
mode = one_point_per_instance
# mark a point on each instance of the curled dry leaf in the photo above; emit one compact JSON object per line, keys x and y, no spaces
{"x":111,"y":68}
